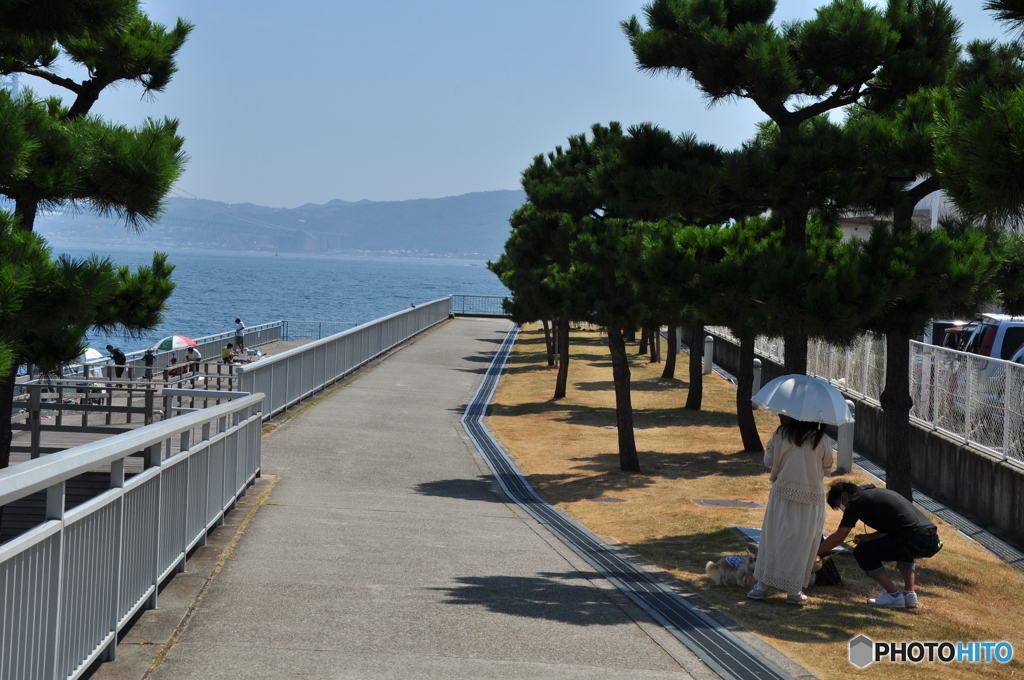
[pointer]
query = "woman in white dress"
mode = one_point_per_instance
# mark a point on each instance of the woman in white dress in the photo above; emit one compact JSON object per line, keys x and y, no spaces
{"x":799,"y":456}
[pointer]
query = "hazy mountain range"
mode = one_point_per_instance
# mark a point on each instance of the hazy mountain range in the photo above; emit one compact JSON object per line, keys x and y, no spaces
{"x":470,"y":226}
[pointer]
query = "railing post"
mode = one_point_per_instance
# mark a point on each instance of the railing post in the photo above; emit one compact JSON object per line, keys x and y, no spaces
{"x":116,"y":482}
{"x":867,"y":364}
{"x":709,"y":350}
{"x":844,"y":445}
{"x":967,"y":401}
{"x":150,"y":397}
{"x":756,"y":387}
{"x":1006,"y":412}
{"x":55,"y":512}
{"x":35,"y":415}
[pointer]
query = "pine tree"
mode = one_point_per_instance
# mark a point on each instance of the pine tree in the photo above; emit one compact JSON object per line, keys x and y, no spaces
{"x":596,"y":287}
{"x":111,"y":168}
{"x":794,"y":74}
{"x":51,"y":303}
{"x":56,"y":155}
{"x":980,"y":135}
{"x":535,"y":253}
{"x":923,"y":274}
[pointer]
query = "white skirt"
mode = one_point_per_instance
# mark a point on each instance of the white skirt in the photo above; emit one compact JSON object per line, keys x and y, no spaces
{"x":790,"y":537}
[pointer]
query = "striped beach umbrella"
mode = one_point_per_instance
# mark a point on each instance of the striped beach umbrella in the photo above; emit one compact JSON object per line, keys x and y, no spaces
{"x":174,"y":342}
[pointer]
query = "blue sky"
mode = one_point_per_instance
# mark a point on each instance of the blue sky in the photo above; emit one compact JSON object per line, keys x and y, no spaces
{"x":290,"y":103}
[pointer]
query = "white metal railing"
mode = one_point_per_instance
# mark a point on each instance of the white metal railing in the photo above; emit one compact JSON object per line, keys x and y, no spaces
{"x":288,"y":377}
{"x":314,"y":330}
{"x":74,"y":580}
{"x":478,"y":305}
{"x":209,"y":346}
{"x":977,"y":399}
{"x":858,"y":369}
{"x":974,"y":398}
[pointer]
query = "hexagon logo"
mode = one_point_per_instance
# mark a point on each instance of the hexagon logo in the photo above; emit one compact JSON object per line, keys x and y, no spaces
{"x":862,"y":650}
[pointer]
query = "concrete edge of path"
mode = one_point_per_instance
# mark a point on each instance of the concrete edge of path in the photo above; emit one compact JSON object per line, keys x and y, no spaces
{"x":146,"y":640}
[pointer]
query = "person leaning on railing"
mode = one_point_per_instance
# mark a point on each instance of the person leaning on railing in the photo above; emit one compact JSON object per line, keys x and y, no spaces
{"x":193,"y":356}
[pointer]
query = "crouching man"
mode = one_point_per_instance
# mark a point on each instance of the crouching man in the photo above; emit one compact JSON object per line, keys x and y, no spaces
{"x":902,"y":534}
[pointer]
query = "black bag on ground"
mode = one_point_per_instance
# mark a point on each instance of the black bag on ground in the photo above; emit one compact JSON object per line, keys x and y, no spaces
{"x":828,"y":575}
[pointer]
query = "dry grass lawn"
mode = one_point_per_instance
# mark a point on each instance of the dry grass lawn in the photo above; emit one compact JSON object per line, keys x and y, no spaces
{"x":569,"y":452}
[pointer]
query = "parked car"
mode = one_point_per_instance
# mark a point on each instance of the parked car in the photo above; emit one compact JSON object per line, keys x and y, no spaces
{"x":996,"y":335}
{"x":952,"y":334}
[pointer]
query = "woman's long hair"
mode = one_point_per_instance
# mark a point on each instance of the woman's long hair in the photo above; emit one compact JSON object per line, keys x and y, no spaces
{"x":798,"y":432}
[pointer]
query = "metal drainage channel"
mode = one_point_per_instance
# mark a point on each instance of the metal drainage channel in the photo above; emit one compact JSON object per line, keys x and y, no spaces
{"x":719,"y":649}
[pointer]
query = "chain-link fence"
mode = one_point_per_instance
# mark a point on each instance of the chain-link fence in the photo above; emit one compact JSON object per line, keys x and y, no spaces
{"x":970,"y":397}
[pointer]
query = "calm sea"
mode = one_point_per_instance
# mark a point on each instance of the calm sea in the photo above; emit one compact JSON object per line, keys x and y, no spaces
{"x":212,"y":288}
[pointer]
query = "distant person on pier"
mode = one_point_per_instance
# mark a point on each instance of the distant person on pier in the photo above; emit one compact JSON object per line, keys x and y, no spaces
{"x":227,"y":354}
{"x":148,"y":359}
{"x":119,"y":360}
{"x":239,"y":335}
{"x":193,"y":356}
{"x":173,"y":370}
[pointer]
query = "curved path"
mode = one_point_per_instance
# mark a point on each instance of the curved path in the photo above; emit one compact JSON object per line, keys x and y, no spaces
{"x":387,"y":551}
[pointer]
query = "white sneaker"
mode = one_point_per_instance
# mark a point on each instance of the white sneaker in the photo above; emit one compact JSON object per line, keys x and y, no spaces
{"x":886,"y":600}
{"x":910,"y":600}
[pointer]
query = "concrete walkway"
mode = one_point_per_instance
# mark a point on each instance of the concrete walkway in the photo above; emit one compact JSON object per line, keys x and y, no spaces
{"x":383,"y":552}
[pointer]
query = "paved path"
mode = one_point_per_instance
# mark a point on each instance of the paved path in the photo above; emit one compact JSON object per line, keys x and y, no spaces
{"x":383,"y":552}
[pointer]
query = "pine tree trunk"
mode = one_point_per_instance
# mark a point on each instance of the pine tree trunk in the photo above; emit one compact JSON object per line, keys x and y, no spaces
{"x":7,"y":384}
{"x":25,"y":209}
{"x":895,"y":399}
{"x":644,"y":340}
{"x":696,"y":392}
{"x":655,"y":335}
{"x":796,"y":353}
{"x":896,"y":404}
{"x":744,"y":389}
{"x":671,"y":350}
{"x":628,"y":459}
{"x":562,"y":333}
{"x":548,"y":345}
{"x":630,"y":335}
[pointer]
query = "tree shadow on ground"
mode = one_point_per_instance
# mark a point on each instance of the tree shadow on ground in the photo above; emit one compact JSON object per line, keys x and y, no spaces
{"x":836,"y":620}
{"x":517,"y":363}
{"x":577,"y":483}
{"x":602,"y":417}
{"x":562,"y":597}
{"x":464,"y":489}
{"x":655,"y":385}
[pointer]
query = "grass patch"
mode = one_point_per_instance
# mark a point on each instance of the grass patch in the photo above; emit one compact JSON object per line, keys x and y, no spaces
{"x":570,"y":455}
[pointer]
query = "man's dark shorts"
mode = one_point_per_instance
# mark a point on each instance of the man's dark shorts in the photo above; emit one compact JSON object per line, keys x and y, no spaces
{"x":900,"y":548}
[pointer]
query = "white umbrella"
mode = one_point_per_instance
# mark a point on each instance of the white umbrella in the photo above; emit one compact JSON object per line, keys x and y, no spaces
{"x":804,"y":398}
{"x":91,"y":354}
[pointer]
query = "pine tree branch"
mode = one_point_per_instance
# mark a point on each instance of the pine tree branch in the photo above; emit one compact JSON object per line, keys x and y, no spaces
{"x":917,"y":192}
{"x":50,"y":77}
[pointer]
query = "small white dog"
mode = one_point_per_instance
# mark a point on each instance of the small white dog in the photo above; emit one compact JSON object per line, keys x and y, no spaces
{"x":737,"y":569}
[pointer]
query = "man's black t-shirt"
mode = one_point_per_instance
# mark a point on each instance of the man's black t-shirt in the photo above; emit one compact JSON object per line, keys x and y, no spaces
{"x":885,"y":511}
{"x":118,"y":356}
